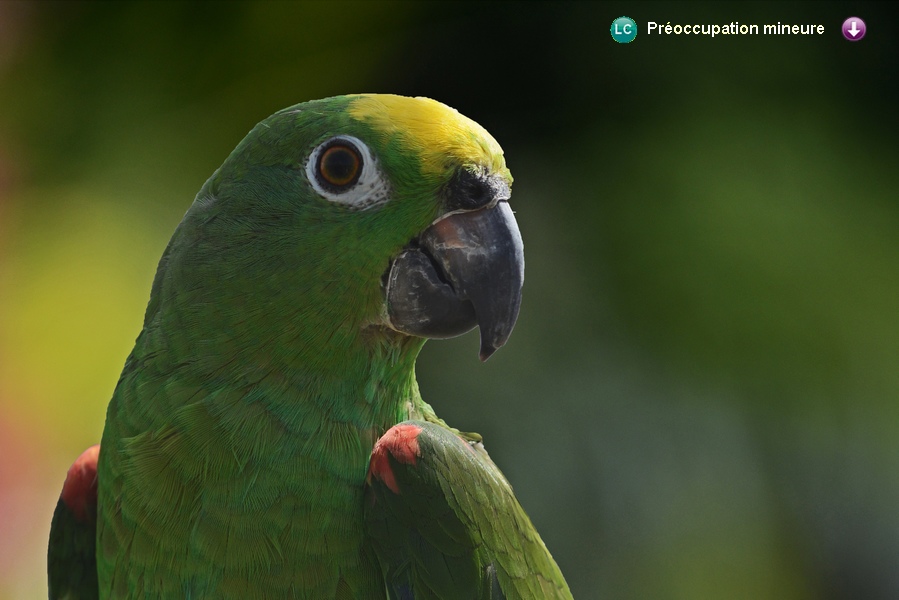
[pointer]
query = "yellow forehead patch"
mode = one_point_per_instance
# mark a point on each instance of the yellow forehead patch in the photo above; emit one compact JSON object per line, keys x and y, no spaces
{"x":442,"y":136}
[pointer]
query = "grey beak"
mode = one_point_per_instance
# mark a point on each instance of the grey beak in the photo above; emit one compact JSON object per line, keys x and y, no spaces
{"x":466,"y":270}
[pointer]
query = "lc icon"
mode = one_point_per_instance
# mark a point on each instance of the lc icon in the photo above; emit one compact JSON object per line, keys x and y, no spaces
{"x":624,"y":30}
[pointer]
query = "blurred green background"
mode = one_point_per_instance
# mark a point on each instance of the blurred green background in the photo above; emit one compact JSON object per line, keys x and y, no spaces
{"x":701,"y":398}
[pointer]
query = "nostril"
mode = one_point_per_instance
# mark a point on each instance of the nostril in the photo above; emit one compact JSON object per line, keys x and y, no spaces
{"x":471,"y":190}
{"x":479,"y":193}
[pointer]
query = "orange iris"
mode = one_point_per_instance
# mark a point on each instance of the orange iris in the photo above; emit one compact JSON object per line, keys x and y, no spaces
{"x":340,"y":165}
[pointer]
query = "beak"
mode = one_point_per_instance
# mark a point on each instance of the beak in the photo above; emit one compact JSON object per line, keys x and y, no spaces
{"x":465,"y":270}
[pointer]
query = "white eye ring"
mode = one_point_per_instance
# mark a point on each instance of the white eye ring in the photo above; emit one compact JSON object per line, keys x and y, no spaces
{"x":369,"y":189}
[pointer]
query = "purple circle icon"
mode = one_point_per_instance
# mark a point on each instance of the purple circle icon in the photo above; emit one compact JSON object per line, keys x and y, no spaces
{"x":854,"y":29}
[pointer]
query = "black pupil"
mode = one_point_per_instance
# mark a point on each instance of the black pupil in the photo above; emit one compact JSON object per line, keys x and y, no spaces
{"x":339,"y":165}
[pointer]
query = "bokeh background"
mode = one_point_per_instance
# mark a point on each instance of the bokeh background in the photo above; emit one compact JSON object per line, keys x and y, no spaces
{"x":701,"y":397}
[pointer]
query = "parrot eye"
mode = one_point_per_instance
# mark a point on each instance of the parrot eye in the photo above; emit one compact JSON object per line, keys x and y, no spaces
{"x":343,"y":170}
{"x":339,"y":165}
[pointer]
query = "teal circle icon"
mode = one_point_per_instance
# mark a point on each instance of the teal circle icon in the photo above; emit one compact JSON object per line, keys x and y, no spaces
{"x":624,"y":30}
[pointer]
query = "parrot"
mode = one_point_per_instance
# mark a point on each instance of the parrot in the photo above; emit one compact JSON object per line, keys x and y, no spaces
{"x":267,"y":437}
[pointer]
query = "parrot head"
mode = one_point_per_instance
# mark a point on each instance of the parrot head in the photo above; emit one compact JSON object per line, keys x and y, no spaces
{"x":355,"y":217}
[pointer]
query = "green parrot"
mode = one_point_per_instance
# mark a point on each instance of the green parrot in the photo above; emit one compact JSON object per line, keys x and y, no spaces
{"x":267,"y":437}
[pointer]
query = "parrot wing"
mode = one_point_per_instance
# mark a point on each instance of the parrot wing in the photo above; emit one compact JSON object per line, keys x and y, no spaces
{"x":71,"y":556}
{"x":444,"y":522}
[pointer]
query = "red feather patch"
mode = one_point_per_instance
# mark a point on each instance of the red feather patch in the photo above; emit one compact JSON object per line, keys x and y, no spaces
{"x":80,"y":489}
{"x":401,"y":441}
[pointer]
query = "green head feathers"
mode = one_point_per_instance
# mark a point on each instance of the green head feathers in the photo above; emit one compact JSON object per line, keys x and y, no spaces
{"x":288,"y":244}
